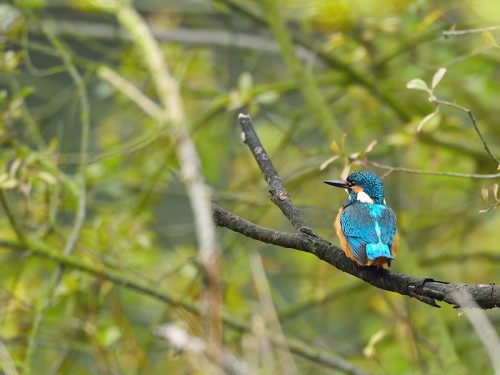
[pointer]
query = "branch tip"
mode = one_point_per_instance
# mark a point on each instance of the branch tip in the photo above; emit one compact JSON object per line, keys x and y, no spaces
{"x":243,"y":116}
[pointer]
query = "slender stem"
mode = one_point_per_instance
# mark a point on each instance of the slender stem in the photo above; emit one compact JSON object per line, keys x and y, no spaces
{"x":12,"y":217}
{"x":473,"y":119}
{"x":426,"y":290}
{"x":279,"y":195}
{"x":429,"y":172}
{"x":449,"y":33}
{"x":288,"y":365}
{"x":8,"y":364}
{"x":125,"y":87}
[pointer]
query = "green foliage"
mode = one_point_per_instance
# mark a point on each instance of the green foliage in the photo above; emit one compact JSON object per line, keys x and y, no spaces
{"x":330,"y":96}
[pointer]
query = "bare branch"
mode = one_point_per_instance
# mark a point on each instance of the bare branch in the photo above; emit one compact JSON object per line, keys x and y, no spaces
{"x":429,"y":172}
{"x":449,"y":33}
{"x":473,"y":119}
{"x":427,"y":290}
{"x":279,"y":195}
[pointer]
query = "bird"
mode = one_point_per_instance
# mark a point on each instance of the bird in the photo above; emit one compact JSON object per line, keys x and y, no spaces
{"x":365,"y":224}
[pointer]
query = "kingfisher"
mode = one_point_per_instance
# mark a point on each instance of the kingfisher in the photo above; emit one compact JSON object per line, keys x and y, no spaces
{"x":365,"y":225}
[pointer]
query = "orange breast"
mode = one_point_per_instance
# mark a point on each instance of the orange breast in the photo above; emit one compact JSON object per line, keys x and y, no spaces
{"x":395,"y":245}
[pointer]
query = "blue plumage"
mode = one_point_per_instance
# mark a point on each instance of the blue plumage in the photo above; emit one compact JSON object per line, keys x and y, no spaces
{"x":369,"y":229}
{"x":365,"y":225}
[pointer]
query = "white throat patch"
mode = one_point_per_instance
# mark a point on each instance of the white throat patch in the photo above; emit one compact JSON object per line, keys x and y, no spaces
{"x":363,"y":197}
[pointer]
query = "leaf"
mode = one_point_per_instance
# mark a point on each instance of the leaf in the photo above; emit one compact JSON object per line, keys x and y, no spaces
{"x":426,"y":119}
{"x":7,"y":183}
{"x":109,"y":336}
{"x":370,"y":146}
{"x":328,"y":161}
{"x":345,"y":171}
{"x":489,"y":38}
{"x":485,"y":194}
{"x":14,"y":167}
{"x":47,"y":177}
{"x":417,"y":84}
{"x":268,"y":97}
{"x":245,"y":83}
{"x":335,"y":147}
{"x":369,"y":349}
{"x":495,"y":191}
{"x":354,"y":156}
{"x":438,"y":76}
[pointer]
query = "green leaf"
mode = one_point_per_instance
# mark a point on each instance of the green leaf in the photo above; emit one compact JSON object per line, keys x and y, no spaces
{"x":268,"y":97}
{"x":426,"y":119}
{"x":7,"y":182}
{"x":109,"y":336}
{"x":245,"y":83}
{"x":485,"y":194}
{"x":327,"y":162}
{"x":417,"y":84}
{"x":489,"y":38}
{"x":438,"y":76}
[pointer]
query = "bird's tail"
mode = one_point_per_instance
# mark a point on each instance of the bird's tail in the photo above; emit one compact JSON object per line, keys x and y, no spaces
{"x":377,"y":250}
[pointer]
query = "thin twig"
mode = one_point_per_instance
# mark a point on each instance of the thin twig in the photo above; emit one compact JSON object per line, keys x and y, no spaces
{"x":288,"y":365}
{"x":428,"y":172}
{"x":6,"y":361}
{"x":11,"y":217}
{"x":426,"y":290}
{"x":128,"y":89}
{"x":494,"y":206}
{"x":204,"y":37}
{"x":279,"y":195}
{"x":473,"y":119}
{"x":449,"y":33}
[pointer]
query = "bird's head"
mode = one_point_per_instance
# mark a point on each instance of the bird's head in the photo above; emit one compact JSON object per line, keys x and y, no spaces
{"x":362,"y":186}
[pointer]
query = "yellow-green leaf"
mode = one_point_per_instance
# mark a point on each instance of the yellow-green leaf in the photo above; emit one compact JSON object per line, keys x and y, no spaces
{"x":417,"y":84}
{"x":489,"y":38}
{"x":426,"y":119}
{"x":438,"y":76}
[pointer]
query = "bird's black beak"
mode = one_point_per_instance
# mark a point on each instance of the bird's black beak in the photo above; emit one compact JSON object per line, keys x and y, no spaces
{"x":337,"y":183}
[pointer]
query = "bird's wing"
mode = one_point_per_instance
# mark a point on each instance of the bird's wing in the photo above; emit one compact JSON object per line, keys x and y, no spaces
{"x":364,"y":224}
{"x":387,"y":222}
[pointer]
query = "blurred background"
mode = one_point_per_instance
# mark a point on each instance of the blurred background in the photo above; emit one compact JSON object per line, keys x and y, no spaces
{"x":325,"y":83}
